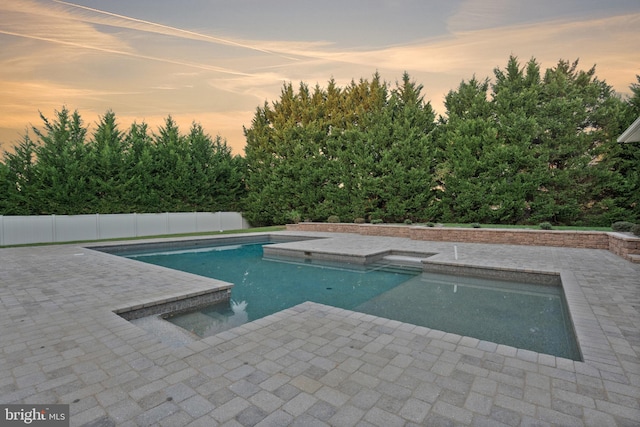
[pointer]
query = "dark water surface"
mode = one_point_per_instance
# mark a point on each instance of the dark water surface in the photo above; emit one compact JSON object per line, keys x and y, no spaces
{"x":527,"y":316}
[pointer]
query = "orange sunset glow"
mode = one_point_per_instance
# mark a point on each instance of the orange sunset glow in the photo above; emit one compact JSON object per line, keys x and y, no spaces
{"x":214,"y":62}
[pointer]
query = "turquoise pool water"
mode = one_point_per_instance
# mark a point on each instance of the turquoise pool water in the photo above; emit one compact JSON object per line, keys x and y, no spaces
{"x":527,"y":316}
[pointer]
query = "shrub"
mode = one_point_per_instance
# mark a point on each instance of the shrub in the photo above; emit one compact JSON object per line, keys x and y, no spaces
{"x":545,"y":226}
{"x":333,"y":218}
{"x":430,"y":224}
{"x":636,"y":230}
{"x":376,"y":221}
{"x":359,"y":220}
{"x":622,"y":226}
{"x":475,"y":225}
{"x":294,"y":216}
{"x":408,"y":221}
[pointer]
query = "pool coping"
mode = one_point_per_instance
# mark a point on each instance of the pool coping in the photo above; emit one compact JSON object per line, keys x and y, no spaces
{"x":591,"y":339}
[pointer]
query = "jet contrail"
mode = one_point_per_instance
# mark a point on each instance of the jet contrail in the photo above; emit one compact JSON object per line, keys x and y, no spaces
{"x":173,"y":29}
{"x":130,"y":54}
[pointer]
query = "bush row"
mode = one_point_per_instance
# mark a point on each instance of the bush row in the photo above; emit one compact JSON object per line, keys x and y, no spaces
{"x":618,"y":226}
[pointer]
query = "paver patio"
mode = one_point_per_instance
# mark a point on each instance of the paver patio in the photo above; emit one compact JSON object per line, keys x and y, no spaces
{"x":311,"y":365}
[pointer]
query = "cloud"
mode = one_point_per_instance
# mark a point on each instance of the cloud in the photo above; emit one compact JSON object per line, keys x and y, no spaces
{"x":58,"y":53}
{"x":471,"y":50}
{"x":461,"y":50}
{"x":22,"y":100}
{"x":116,"y":20}
{"x":100,"y":48}
{"x":57,"y":25}
{"x":441,"y":63}
{"x":476,"y":15}
{"x":610,"y":41}
{"x":22,"y":18}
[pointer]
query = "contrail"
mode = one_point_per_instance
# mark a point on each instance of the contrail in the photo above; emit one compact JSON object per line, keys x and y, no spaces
{"x":133,"y":55}
{"x":173,"y":29}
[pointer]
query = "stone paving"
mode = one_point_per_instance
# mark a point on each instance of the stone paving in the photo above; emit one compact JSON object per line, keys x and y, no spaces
{"x":310,"y":365}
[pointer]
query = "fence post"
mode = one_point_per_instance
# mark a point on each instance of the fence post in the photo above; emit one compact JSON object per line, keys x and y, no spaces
{"x":1,"y":230}
{"x":53,"y":228}
{"x":98,"y":225}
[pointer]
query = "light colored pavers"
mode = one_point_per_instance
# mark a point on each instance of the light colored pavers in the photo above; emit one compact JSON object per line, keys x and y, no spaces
{"x":310,"y":365}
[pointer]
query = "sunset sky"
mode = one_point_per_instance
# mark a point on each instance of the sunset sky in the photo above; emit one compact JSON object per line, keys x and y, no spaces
{"x":214,"y":61}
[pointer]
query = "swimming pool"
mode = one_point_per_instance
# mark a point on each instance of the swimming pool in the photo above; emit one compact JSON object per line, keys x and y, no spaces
{"x":528,"y":316}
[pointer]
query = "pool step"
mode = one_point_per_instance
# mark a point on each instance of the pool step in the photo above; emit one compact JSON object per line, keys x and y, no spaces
{"x":170,"y":334}
{"x":403,"y":260}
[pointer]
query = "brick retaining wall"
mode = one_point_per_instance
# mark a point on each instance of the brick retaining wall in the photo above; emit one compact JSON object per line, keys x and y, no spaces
{"x":570,"y":239}
{"x":621,"y":244}
{"x":626,"y":246}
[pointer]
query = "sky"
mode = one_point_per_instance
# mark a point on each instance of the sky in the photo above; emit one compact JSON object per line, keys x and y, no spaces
{"x":215,"y":61}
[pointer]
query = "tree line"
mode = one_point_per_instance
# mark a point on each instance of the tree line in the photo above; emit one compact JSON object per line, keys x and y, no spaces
{"x":526,"y":147}
{"x":66,"y":171}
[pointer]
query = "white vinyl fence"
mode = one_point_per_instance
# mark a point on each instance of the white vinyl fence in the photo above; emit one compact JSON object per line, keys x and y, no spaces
{"x":16,"y":230}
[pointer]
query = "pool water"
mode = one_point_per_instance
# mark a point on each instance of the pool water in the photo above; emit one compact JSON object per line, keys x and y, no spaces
{"x":527,"y":316}
{"x":269,"y":286}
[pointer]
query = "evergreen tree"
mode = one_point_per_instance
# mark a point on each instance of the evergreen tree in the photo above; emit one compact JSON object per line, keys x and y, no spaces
{"x":138,"y":179}
{"x":528,"y":148}
{"x":409,"y":161}
{"x":359,"y":150}
{"x":517,"y":166}
{"x":573,"y":114}
{"x":170,"y":183}
{"x":17,"y":179}
{"x":633,"y":109}
{"x":461,"y":172}
{"x":215,"y":176}
{"x":533,"y":153}
{"x":117,"y":172}
{"x":298,"y":148}
{"x":616,"y":191}
{"x":62,"y":175}
{"x":105,"y":158}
